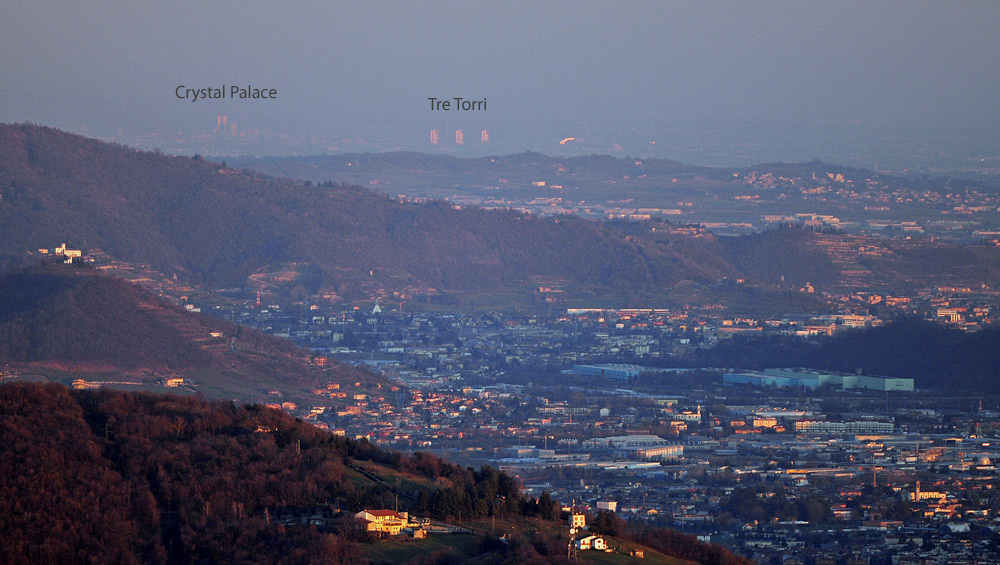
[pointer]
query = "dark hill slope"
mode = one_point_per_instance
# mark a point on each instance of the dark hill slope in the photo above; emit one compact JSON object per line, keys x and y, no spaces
{"x":218,"y":226}
{"x":65,"y":315}
{"x":934,"y":356}
{"x":787,"y":257}
{"x":66,"y":318}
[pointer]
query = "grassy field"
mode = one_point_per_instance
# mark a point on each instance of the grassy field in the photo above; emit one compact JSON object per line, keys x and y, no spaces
{"x":622,"y":555}
{"x":408,"y":483}
{"x":622,"y":547}
{"x":408,"y":550}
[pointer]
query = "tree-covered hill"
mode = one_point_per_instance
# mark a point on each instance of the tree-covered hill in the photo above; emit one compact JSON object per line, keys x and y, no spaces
{"x":115,"y":477}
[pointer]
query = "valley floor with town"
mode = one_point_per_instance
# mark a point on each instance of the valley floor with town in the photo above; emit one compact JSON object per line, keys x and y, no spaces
{"x":778,"y":464}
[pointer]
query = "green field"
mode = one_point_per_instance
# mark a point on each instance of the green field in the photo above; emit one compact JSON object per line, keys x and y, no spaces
{"x":622,"y":554}
{"x":407,"y":550}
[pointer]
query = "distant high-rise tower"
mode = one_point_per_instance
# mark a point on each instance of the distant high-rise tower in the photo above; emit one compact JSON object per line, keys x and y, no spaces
{"x":218,"y":123}
{"x":459,"y":137}
{"x":434,"y":136}
{"x":484,"y":136}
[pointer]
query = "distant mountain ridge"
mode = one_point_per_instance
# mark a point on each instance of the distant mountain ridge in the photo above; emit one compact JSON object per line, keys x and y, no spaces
{"x":519,"y":166}
{"x":218,"y":226}
{"x":316,"y":168}
{"x":221,"y":227}
{"x":440,"y":172}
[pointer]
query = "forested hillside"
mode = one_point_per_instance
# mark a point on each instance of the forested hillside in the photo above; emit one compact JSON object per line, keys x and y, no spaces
{"x":113,"y":477}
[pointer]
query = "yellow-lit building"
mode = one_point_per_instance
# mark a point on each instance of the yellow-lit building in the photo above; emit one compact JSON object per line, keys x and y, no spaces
{"x":383,"y":521}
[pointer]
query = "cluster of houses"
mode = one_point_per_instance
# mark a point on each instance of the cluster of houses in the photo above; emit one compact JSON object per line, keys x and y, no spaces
{"x":384,"y":523}
{"x":62,"y":251}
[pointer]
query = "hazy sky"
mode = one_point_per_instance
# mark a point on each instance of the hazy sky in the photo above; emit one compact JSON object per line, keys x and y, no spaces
{"x":554,"y":65}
